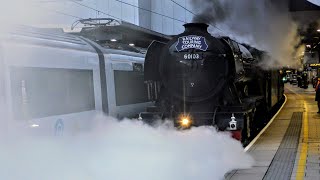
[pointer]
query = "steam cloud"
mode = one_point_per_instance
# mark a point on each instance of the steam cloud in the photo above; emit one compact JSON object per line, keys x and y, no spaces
{"x":42,"y":13}
{"x":126,"y":150}
{"x":262,"y":24}
{"x":123,"y":150}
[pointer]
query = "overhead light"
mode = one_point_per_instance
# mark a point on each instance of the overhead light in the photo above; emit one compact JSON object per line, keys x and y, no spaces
{"x":131,"y":44}
{"x":318,"y":30}
{"x":308,"y":46}
{"x":34,"y":125}
{"x":113,"y":40}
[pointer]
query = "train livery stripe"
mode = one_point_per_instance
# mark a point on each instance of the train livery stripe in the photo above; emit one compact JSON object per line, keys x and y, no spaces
{"x":304,"y":146}
{"x":103,"y":78}
{"x":266,"y":127}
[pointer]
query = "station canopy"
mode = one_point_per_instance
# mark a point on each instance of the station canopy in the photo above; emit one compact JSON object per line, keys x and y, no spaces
{"x":120,"y":32}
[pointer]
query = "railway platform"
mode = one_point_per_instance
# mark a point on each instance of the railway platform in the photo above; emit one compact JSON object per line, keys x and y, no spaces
{"x":289,"y":146}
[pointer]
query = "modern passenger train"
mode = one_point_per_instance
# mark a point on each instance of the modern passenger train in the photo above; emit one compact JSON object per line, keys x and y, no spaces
{"x":53,"y":82}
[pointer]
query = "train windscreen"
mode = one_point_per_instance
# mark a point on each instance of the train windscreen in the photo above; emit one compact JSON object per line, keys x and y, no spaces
{"x":42,"y":92}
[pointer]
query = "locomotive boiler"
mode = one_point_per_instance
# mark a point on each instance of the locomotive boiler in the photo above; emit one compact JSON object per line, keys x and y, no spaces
{"x":196,"y":79}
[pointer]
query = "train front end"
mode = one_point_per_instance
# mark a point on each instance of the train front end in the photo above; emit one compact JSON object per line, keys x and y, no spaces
{"x":191,"y":80}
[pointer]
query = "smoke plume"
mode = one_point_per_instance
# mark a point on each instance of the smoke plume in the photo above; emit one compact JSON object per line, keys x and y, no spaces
{"x":262,"y":24}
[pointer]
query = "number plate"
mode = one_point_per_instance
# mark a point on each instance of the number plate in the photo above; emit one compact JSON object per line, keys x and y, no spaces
{"x":192,"y":56}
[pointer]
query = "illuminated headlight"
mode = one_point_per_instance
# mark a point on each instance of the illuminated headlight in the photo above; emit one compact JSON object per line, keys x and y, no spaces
{"x":185,"y":122}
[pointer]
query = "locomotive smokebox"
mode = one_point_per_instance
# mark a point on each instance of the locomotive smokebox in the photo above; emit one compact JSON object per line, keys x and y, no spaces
{"x":195,"y":66}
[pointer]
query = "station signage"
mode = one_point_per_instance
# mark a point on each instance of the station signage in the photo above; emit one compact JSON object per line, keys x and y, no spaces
{"x":192,"y":42}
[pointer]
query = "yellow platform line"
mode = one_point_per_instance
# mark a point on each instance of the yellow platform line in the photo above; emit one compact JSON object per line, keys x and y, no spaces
{"x":300,"y":174}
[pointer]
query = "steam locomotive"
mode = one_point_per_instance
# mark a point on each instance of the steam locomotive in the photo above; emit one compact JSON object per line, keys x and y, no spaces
{"x":196,"y":79}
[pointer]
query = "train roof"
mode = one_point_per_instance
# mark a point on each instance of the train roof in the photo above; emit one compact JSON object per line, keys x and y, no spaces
{"x":58,"y":39}
{"x":44,"y":37}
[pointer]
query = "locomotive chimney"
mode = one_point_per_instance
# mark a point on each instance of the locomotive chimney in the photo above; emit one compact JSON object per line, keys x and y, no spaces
{"x":191,"y":27}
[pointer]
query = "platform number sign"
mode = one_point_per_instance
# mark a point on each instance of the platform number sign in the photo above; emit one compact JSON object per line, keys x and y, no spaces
{"x":58,"y":128}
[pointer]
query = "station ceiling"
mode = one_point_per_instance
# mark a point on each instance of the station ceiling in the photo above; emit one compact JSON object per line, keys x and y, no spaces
{"x":307,"y":15}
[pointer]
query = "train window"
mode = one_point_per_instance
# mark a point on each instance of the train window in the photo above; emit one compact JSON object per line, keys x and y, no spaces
{"x":130,"y":87}
{"x":42,"y":92}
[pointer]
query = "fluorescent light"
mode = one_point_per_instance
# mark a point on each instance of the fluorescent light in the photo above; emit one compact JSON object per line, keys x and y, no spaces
{"x":131,"y":44}
{"x":113,"y":40}
{"x":34,"y":125}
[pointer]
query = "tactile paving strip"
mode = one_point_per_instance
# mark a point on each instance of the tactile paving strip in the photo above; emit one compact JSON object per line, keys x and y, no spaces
{"x":312,"y":164}
{"x":282,"y":164}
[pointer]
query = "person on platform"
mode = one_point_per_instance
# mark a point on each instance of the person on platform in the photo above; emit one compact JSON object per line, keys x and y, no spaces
{"x":318,"y":94}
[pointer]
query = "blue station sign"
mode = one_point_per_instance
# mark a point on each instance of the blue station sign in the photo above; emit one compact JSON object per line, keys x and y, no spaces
{"x":192,"y":42}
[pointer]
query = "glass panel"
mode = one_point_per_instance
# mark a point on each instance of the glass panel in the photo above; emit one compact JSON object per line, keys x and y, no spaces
{"x":130,"y":88}
{"x":42,"y":92}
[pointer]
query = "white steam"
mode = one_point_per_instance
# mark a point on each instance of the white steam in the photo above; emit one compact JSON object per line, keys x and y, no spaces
{"x":260,"y":24}
{"x":25,"y":12}
{"x":121,"y":151}
{"x":126,"y":150}
{"x":40,"y":13}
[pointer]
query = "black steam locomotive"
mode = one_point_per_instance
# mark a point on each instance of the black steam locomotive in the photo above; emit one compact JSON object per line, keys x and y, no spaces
{"x":197,"y":79}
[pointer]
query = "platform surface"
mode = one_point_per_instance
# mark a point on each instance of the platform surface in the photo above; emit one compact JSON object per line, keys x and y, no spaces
{"x":290,"y":147}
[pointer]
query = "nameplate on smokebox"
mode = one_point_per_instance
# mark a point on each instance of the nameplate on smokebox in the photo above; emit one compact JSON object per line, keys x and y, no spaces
{"x":192,"y":42}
